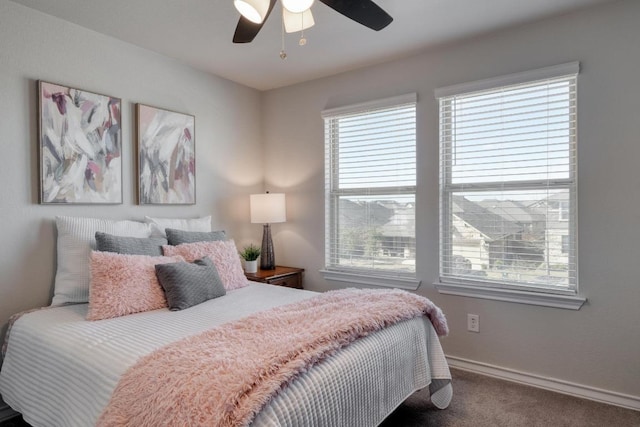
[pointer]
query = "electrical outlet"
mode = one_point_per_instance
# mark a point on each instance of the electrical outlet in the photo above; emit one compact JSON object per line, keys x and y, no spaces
{"x":473,"y":323}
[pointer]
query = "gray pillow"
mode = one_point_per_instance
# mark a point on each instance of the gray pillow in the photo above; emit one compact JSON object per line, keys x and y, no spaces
{"x":151,"y":246}
{"x":177,"y":237}
{"x":188,"y":284}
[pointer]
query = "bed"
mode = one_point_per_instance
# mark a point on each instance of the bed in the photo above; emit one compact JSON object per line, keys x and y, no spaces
{"x":60,"y":369}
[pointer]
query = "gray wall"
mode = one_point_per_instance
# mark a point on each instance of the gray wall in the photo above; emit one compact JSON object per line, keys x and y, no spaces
{"x":598,"y":346}
{"x":34,"y":46}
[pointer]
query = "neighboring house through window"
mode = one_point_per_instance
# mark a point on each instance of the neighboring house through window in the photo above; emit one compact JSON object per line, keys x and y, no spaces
{"x":370,"y":192}
{"x":563,"y":211}
{"x":508,"y":186}
{"x":566,"y":245}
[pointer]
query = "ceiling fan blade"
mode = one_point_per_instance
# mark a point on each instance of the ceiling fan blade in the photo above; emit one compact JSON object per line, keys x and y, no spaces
{"x":365,"y":12}
{"x":246,"y":30}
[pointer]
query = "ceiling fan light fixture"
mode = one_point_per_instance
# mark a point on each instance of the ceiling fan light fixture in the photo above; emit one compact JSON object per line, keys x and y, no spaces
{"x":294,"y":22}
{"x":297,"y":6}
{"x":364,"y":12}
{"x":254,"y":10}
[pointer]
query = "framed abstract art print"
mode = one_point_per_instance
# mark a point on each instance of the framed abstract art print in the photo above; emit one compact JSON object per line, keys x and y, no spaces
{"x":166,"y":157}
{"x":80,"y":147}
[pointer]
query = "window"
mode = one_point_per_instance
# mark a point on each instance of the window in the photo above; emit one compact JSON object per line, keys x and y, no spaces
{"x":508,"y":184}
{"x":370,"y":191}
{"x":563,"y":214}
{"x":565,"y":244}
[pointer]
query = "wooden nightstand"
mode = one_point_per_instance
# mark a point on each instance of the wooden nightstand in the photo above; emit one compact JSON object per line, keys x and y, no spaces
{"x":282,"y":276}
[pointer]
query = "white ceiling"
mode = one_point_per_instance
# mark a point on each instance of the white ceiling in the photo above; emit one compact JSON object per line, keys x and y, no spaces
{"x":199,"y":32}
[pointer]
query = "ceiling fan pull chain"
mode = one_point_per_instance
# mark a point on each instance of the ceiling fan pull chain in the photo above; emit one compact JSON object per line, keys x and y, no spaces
{"x":283,"y":54}
{"x":302,"y":41}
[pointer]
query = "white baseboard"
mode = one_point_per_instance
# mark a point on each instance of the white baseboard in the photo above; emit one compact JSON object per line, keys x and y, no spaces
{"x":552,"y":384}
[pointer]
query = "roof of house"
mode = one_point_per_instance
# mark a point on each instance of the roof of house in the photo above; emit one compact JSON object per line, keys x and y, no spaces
{"x":512,"y":210}
{"x":402,"y":223}
{"x":484,"y":220}
{"x":494,"y":218}
{"x":356,"y":214}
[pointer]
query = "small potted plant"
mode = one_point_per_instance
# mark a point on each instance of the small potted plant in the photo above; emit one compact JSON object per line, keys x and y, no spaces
{"x":250,"y":256}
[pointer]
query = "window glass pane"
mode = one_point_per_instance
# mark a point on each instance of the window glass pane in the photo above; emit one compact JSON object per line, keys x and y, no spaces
{"x":377,"y":149}
{"x":517,"y":134}
{"x":509,"y":236}
{"x":376,"y":232}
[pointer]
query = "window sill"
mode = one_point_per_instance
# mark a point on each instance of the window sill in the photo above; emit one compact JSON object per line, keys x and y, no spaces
{"x":568,"y":302}
{"x":364,"y":279}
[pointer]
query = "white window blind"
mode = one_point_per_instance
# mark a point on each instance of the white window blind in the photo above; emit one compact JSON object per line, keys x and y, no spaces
{"x":370,"y":171}
{"x":508,"y":182}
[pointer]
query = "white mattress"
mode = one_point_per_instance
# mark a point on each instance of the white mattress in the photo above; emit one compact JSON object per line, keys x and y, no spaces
{"x":61,"y":369}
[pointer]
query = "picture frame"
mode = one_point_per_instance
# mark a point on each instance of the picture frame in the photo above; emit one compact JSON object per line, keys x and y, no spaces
{"x":166,"y":163}
{"x":79,"y":145}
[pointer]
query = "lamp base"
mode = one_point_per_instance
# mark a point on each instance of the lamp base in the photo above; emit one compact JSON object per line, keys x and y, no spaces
{"x":267,"y":257}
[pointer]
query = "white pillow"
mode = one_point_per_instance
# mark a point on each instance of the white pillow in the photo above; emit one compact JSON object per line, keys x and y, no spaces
{"x":158,"y":225}
{"x":76,"y":239}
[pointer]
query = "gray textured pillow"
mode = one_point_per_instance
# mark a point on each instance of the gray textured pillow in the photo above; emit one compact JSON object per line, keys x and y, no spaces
{"x":151,"y":246}
{"x":177,"y":237}
{"x":188,"y":284}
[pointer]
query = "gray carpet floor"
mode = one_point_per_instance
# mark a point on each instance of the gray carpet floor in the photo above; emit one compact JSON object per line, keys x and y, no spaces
{"x":480,"y":401}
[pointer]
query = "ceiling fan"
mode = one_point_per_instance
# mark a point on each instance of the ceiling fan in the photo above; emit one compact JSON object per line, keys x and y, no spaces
{"x":297,"y":15}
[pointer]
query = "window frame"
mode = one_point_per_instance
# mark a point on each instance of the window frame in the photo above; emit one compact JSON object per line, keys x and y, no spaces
{"x":520,"y":293}
{"x":364,"y":276}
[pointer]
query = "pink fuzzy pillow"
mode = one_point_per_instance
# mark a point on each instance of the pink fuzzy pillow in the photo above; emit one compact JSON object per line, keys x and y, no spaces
{"x":224,"y":255}
{"x":124,"y":284}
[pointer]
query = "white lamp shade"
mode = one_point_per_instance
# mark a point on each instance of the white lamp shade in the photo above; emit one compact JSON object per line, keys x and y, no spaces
{"x":297,"y":6}
{"x":294,"y":22}
{"x":268,"y":208}
{"x":253,"y":10}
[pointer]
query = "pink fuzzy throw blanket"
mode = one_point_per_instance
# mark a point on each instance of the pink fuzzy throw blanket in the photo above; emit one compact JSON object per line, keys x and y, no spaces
{"x":224,"y":376}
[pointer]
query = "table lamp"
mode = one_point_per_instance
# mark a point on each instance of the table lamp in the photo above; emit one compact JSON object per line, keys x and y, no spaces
{"x":267,"y":209}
